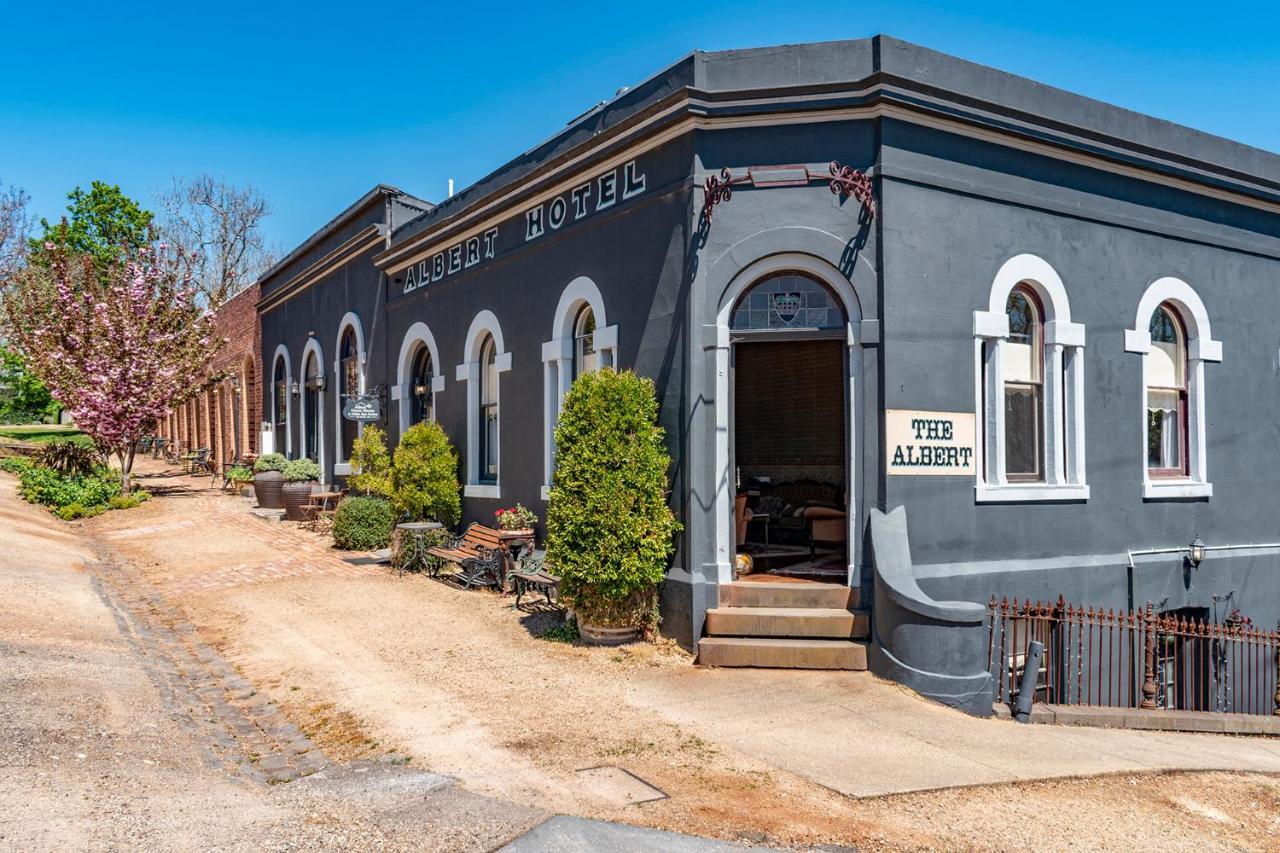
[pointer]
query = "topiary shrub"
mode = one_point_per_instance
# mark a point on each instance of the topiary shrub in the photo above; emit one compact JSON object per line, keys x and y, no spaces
{"x":609,"y":530}
{"x":270,"y":462}
{"x":424,"y":476}
{"x":371,"y":462}
{"x":301,"y":471}
{"x":363,"y":524}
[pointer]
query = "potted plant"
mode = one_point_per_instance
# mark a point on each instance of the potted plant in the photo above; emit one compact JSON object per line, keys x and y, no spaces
{"x":516,"y":519}
{"x":300,"y":477}
{"x":610,"y":532}
{"x":267,"y":480}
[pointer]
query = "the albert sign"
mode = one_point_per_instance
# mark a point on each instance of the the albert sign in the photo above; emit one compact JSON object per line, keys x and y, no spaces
{"x":933,"y":443}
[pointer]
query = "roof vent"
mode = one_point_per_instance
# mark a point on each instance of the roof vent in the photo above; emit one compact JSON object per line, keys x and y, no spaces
{"x":622,"y":91}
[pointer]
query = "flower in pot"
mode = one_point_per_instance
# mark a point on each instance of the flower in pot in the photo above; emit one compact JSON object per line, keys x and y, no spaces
{"x":610,"y":533}
{"x":300,"y":476}
{"x":516,"y":518}
{"x":268,"y":479}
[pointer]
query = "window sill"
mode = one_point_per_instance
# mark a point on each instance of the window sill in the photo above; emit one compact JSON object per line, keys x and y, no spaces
{"x":342,"y":469}
{"x":479,"y":491}
{"x":1172,"y":489}
{"x":1019,"y":492}
{"x":546,"y":493}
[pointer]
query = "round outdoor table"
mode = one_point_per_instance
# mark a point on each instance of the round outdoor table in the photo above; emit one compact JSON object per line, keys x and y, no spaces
{"x":409,"y":551}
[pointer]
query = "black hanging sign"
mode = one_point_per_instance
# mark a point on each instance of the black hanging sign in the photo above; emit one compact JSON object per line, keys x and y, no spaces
{"x":362,"y":407}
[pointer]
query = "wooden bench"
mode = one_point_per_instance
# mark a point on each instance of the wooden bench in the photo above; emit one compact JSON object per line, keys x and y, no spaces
{"x":532,"y":576}
{"x":477,"y":553}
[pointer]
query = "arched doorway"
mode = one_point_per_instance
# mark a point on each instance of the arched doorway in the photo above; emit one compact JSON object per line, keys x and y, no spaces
{"x":787,"y":445}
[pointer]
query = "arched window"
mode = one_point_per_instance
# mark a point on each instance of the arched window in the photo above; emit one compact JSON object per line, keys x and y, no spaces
{"x":1023,"y":368}
{"x":421,"y":378}
{"x":585,"y":357}
{"x":349,"y":386}
{"x":311,"y":413}
{"x":787,"y":301}
{"x":280,"y":400}
{"x":1029,"y":365}
{"x":1166,"y":380}
{"x":488,"y":420}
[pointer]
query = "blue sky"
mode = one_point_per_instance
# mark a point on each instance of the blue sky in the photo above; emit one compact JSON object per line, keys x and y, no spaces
{"x":315,"y":103}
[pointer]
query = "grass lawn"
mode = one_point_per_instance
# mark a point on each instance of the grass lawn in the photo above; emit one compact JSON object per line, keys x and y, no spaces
{"x":41,"y":433}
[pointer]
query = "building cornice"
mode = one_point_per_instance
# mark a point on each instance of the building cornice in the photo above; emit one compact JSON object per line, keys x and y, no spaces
{"x":368,"y":237}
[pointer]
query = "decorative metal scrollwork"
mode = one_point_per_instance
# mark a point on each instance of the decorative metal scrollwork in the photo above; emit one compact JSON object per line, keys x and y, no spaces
{"x":848,"y":181}
{"x":844,"y":181}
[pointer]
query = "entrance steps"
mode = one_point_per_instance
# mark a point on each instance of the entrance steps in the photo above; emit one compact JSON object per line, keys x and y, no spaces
{"x":786,"y":626}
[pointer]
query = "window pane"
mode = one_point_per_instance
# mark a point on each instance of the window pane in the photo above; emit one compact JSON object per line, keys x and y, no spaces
{"x":490,"y":446}
{"x":787,"y":301}
{"x":1164,"y":430}
{"x":1022,"y":447}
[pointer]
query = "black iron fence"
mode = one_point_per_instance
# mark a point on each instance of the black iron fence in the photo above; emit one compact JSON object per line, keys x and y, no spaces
{"x":1135,"y":659}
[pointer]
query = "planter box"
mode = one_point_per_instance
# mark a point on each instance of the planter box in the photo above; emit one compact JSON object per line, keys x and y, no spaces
{"x":266,"y":488}
{"x":594,"y":635}
{"x":295,"y":497}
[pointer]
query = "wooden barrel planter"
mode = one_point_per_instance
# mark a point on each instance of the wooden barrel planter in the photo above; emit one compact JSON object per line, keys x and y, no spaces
{"x":266,"y":488}
{"x":596,"y":635}
{"x":295,"y":497}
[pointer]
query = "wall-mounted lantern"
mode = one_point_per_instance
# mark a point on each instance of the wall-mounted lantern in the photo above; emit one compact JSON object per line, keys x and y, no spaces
{"x":1195,"y":551}
{"x":293,"y":389}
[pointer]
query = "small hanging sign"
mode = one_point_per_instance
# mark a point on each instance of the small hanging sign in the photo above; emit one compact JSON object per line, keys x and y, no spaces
{"x":362,"y":407}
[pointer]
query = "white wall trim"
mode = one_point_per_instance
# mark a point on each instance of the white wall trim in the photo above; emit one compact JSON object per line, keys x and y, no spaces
{"x":1063,"y":387}
{"x":468,"y":372}
{"x":313,"y":350}
{"x":352,"y":320}
{"x":745,"y":278}
{"x":557,"y":358}
{"x":282,"y":350}
{"x":419,"y":334}
{"x":1201,"y":347}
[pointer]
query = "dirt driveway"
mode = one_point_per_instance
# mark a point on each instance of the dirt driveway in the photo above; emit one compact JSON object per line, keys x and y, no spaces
{"x":371,"y":668}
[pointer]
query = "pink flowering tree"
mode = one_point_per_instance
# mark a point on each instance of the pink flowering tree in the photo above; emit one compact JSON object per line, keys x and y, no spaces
{"x":117,"y":345}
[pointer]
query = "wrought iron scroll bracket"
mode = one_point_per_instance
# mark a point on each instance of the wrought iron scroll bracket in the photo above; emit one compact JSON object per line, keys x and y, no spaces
{"x":844,"y":181}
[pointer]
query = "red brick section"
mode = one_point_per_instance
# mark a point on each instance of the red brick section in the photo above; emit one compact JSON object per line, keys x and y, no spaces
{"x":218,"y":411}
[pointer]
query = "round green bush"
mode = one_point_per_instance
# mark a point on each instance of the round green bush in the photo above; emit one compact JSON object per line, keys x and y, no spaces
{"x":301,"y":471}
{"x":363,"y":524}
{"x":270,"y":462}
{"x":424,"y":475}
{"x":610,"y":532}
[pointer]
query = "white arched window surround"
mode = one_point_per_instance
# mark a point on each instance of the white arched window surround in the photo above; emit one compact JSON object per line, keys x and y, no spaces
{"x":417,"y":337}
{"x":1201,"y":347}
{"x":284,"y":445}
{"x":557,"y":359}
{"x":349,"y":321}
{"x":484,"y":325}
{"x":1063,"y":395}
{"x":313,"y":350}
{"x":746,"y":278}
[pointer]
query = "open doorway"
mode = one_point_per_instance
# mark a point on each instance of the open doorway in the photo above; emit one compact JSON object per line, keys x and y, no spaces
{"x":790,"y":432}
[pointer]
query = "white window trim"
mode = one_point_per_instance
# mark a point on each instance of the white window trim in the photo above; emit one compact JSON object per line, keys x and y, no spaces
{"x":469,"y":372}
{"x":1201,"y":347}
{"x":352,"y":320}
{"x":313,"y":349}
{"x":418,"y":335}
{"x":557,"y":360}
{"x":1064,"y":439}
{"x":282,"y":351}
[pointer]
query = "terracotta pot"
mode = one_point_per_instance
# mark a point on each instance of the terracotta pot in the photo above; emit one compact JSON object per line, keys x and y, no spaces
{"x":595,"y":635}
{"x":295,"y":497}
{"x":266,"y":488}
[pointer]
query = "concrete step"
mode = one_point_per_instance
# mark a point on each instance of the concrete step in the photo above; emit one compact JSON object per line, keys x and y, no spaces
{"x":807,"y":595}
{"x":776,"y":653}
{"x":812,"y":622}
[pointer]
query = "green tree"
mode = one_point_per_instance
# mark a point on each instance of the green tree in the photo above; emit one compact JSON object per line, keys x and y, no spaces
{"x":103,"y":223}
{"x":610,"y":532}
{"x":23,"y":397}
{"x":424,"y":475}
{"x":371,"y":463}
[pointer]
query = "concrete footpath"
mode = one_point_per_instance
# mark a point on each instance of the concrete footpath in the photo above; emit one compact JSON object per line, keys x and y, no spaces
{"x":864,"y":737}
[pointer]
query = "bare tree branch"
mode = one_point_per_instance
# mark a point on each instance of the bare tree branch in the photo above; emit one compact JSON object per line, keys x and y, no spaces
{"x":214,"y":226}
{"x":15,"y":223}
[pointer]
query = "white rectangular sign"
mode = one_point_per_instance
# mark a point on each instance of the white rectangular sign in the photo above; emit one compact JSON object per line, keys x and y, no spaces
{"x":928,"y":443}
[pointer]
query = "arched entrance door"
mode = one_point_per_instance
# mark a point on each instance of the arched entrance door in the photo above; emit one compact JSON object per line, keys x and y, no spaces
{"x":787,"y":448}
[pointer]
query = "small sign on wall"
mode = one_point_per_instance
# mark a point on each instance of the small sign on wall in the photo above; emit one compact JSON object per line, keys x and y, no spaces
{"x":928,"y":443}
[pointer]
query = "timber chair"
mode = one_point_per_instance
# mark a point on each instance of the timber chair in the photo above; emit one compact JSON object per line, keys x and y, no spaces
{"x":532,"y":577}
{"x":478,"y":555}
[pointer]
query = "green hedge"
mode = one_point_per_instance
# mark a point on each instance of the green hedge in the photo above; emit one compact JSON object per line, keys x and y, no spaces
{"x":363,"y":524}
{"x":45,"y":486}
{"x":610,"y":532}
